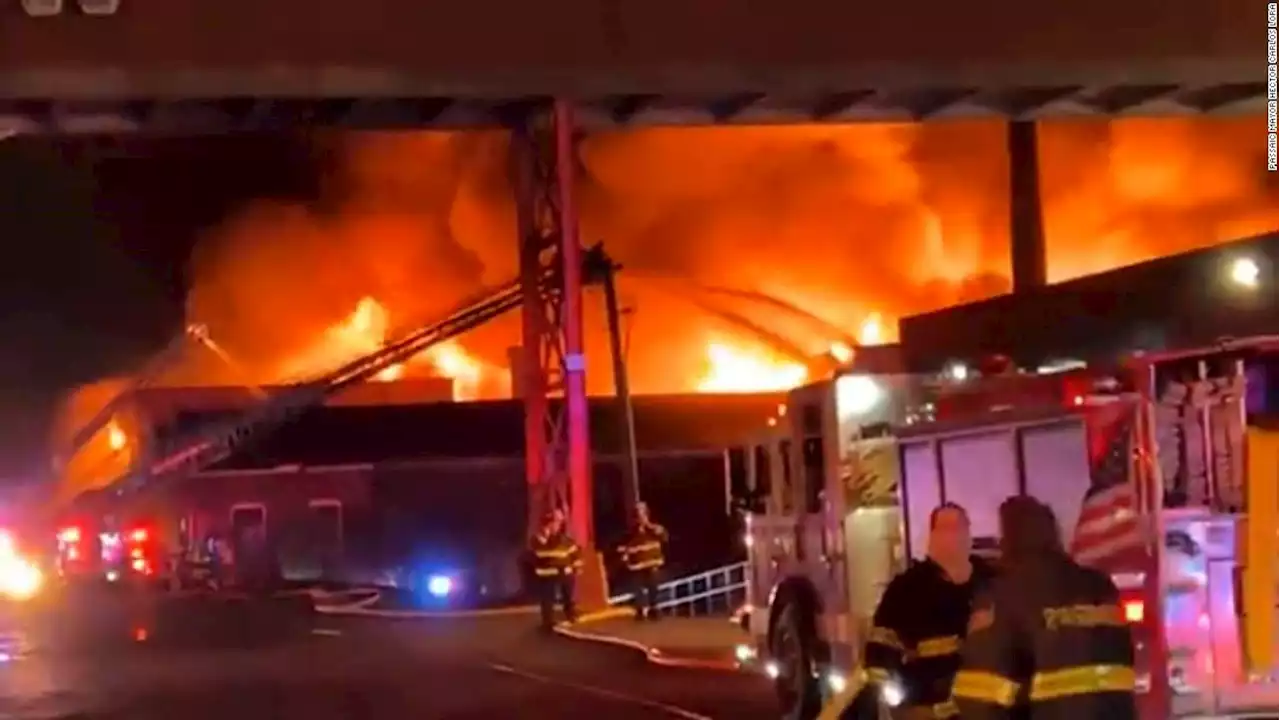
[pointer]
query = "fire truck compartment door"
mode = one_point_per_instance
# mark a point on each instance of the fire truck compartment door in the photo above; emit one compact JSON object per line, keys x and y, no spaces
{"x":978,"y":468}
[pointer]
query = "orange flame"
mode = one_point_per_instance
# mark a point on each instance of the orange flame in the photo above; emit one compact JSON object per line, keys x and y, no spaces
{"x":366,"y":330}
{"x":116,"y":439}
{"x":737,"y":369}
{"x":832,"y":219}
{"x":871,"y":332}
{"x":841,"y":353}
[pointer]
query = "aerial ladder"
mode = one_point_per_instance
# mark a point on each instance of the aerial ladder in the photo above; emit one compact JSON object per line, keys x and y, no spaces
{"x":204,"y":446}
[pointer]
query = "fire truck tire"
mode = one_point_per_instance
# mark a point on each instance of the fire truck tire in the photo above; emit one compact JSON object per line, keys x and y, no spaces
{"x":794,"y":646}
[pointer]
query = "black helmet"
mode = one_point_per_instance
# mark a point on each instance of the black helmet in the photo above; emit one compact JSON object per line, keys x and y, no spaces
{"x":1028,"y":527}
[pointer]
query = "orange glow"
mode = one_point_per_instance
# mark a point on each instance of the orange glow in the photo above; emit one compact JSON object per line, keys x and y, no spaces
{"x":841,"y":353}
{"x":733,"y":369}
{"x":841,"y":221}
{"x":366,"y":329}
{"x":871,"y":331}
{"x":393,"y":373}
{"x":109,"y":451}
{"x":361,"y":332}
{"x":116,"y":439}
{"x":845,"y":222}
{"x":452,"y":361}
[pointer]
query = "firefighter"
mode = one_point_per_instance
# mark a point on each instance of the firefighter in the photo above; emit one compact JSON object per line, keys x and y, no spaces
{"x":556,"y":561}
{"x":642,"y":554}
{"x":913,"y":647}
{"x":1049,"y":639}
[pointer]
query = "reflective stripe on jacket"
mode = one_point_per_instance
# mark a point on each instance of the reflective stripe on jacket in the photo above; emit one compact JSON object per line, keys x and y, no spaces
{"x":1050,"y":643}
{"x":555,"y":554}
{"x":917,"y":632}
{"x":643,"y":549}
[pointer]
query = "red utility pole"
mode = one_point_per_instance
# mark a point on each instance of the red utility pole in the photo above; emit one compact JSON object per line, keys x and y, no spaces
{"x":557,"y":442}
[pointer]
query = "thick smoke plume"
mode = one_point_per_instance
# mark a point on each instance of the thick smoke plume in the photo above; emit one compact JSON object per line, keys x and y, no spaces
{"x":842,"y":221}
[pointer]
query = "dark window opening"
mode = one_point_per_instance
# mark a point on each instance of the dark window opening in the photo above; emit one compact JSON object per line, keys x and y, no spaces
{"x":248,"y":528}
{"x":815,"y":473}
{"x":325,"y":541}
{"x":764,"y":471}
{"x":788,"y":479}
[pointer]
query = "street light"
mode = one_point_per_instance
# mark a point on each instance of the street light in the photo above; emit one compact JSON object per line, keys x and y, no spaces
{"x":1244,"y":272}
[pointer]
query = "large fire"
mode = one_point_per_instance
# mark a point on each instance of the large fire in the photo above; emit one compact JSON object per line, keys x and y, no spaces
{"x":735,"y":369}
{"x":367,"y":329}
{"x":748,"y":253}
{"x":855,"y":226}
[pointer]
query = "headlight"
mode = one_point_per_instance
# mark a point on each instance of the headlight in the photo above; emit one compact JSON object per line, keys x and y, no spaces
{"x":19,"y":578}
{"x":892,"y":693}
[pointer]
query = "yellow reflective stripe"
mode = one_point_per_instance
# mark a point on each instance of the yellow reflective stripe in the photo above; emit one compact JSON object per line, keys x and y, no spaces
{"x":547,"y":572}
{"x":938,"y":646}
{"x":645,"y":565}
{"x":643,"y":547}
{"x":1082,"y":680}
{"x":877,"y":675}
{"x":884,"y":636}
{"x":987,"y":687}
{"x":1083,"y":616}
{"x":553,"y":554}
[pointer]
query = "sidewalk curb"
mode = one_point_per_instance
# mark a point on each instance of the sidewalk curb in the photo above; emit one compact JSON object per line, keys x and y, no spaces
{"x":652,"y":654}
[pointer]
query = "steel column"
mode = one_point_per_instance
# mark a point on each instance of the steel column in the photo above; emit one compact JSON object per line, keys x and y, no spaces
{"x":621,"y":389}
{"x":1026,"y":219}
{"x":557,"y":449}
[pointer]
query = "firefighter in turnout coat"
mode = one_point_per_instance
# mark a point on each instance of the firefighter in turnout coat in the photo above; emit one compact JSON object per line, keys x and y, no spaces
{"x":1049,"y":641}
{"x":913,"y":647}
{"x":643,"y":556}
{"x":557,"y":560}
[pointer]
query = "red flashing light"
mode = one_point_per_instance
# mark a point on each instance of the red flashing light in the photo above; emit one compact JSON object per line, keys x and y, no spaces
{"x":69,"y":535}
{"x":138,"y":535}
{"x":1134,"y":611}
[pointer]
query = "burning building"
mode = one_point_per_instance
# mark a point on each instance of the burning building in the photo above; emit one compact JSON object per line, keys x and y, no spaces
{"x":363,"y":487}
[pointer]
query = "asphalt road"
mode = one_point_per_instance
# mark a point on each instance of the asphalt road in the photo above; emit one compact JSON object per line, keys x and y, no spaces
{"x":136,"y":659}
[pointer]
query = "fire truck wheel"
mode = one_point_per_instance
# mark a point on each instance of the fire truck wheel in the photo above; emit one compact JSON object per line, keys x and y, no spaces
{"x":793,"y":645}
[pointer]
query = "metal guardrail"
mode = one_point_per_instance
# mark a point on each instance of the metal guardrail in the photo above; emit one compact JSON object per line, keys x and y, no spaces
{"x":713,"y":592}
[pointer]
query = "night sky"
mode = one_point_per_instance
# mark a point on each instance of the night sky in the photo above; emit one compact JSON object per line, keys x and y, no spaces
{"x":97,"y":234}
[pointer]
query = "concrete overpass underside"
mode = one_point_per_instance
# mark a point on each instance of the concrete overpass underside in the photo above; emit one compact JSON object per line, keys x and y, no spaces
{"x":187,"y":65}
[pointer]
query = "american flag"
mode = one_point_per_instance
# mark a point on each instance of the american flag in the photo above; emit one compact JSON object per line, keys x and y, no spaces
{"x":1108,"y":527}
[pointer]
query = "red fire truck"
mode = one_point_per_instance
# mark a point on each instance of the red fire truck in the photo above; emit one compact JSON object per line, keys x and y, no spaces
{"x":842,"y":482}
{"x":92,"y":551}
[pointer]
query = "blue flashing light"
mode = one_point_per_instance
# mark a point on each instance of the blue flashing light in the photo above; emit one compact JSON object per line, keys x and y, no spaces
{"x":439,"y":586}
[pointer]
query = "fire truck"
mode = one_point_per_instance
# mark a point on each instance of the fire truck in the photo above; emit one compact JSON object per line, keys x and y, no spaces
{"x":840,"y":485}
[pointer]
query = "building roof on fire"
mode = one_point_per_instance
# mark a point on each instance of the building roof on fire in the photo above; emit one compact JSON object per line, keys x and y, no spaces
{"x":1184,"y":300}
{"x":367,"y":434}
